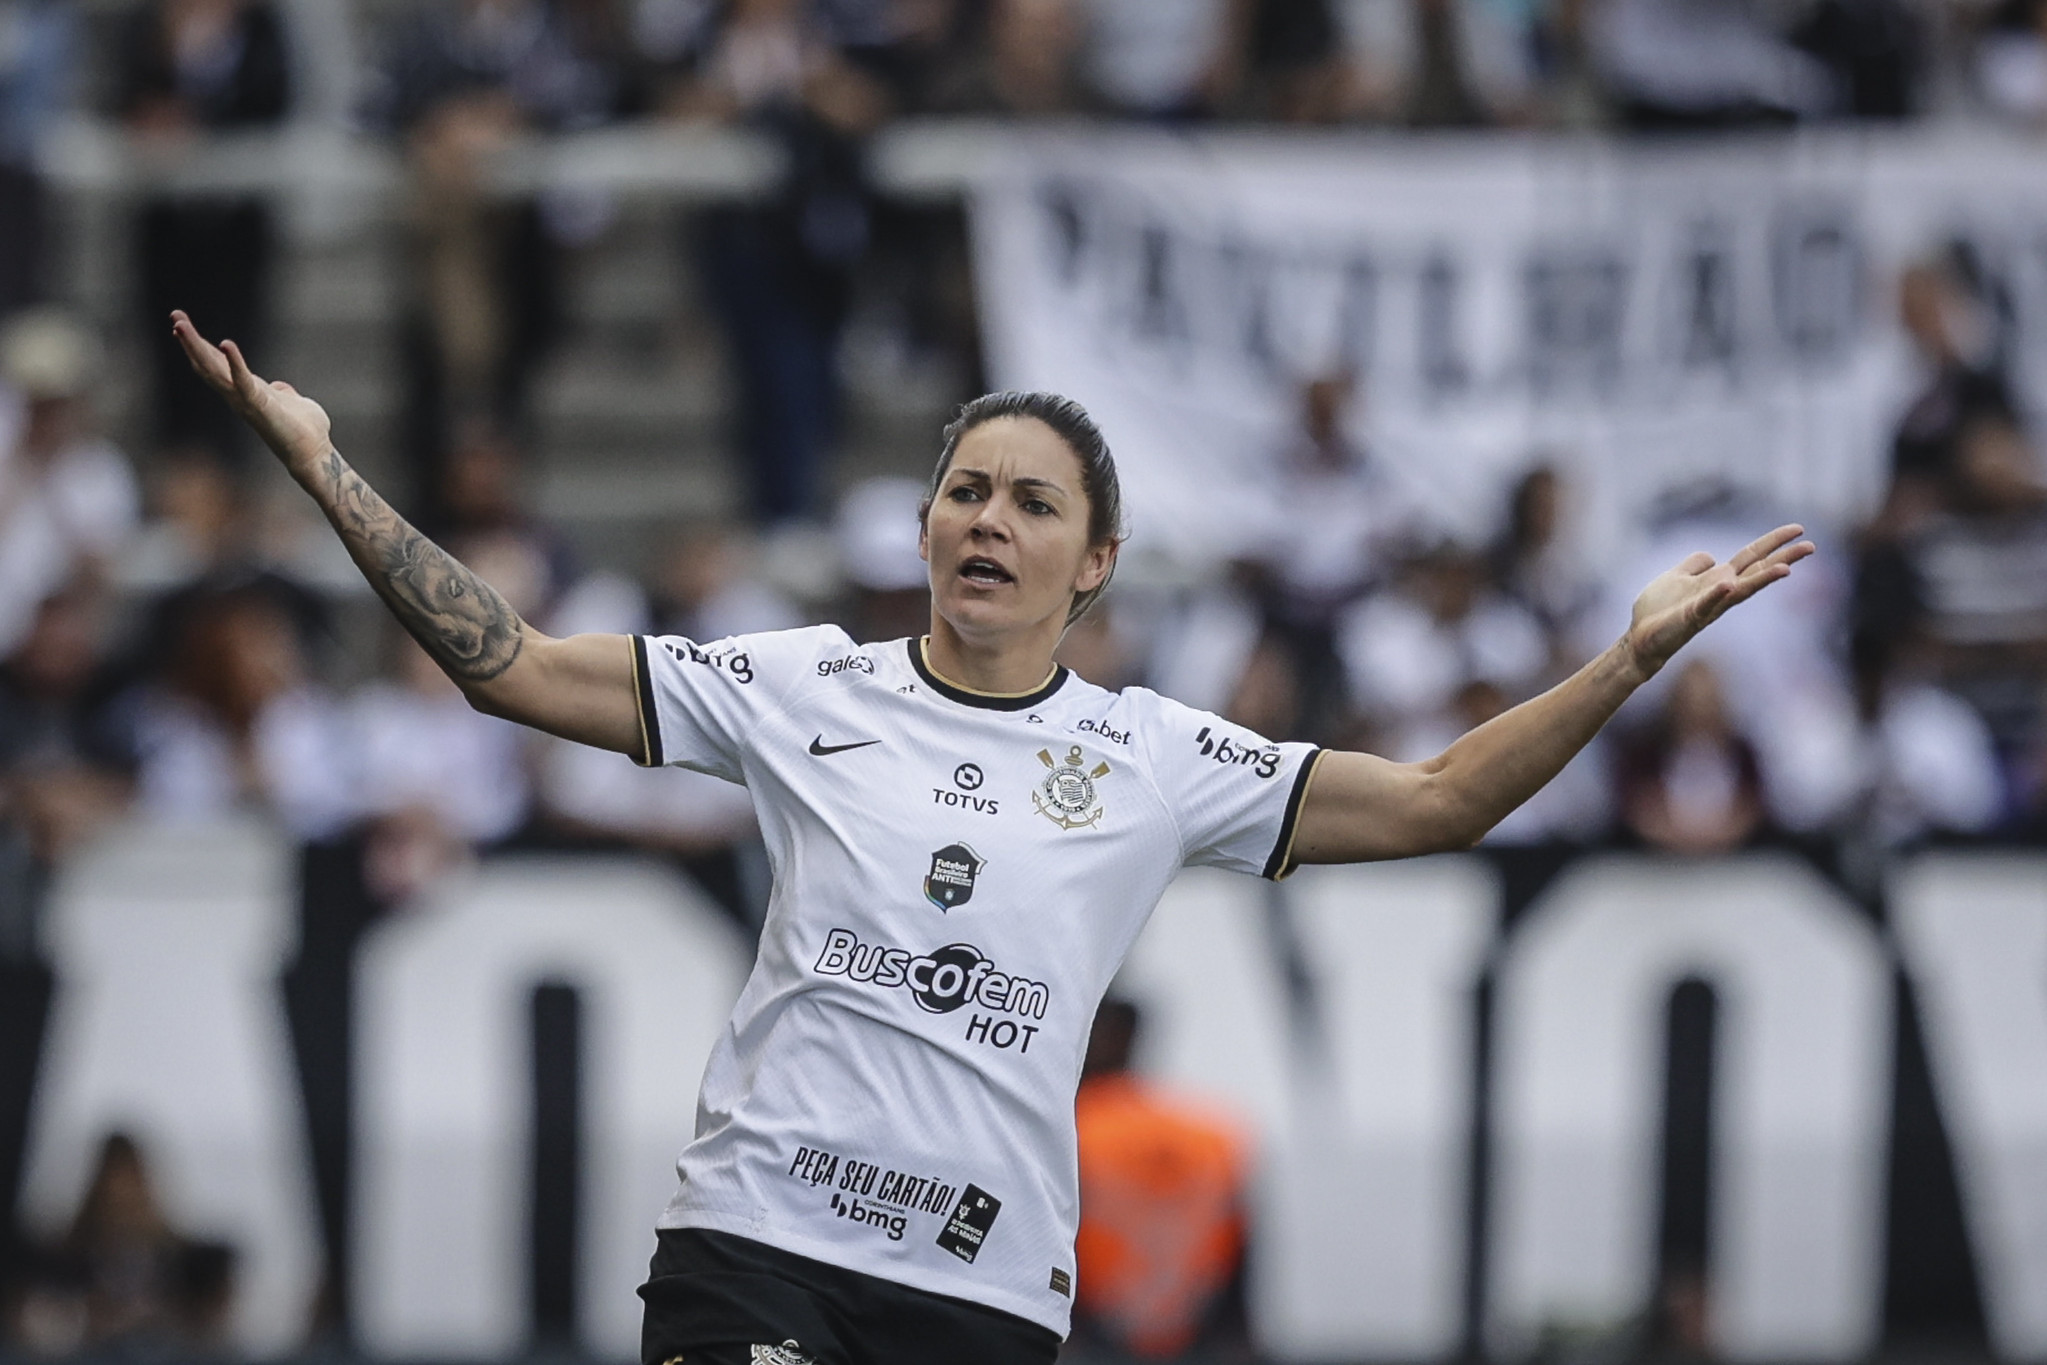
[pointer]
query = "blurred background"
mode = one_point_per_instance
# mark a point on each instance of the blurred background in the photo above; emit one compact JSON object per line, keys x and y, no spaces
{"x":337,"y":1020}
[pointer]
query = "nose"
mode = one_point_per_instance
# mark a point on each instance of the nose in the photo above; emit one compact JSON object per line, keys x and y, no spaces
{"x":990,"y":522}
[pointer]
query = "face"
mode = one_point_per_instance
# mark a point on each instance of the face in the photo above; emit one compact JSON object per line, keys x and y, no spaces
{"x":1007,"y":533}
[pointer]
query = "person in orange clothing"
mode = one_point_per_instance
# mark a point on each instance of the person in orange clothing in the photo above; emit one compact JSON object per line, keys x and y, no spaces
{"x":1161,"y":1199}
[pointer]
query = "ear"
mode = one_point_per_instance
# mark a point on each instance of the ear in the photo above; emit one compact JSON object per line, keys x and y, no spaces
{"x":1095,"y":567}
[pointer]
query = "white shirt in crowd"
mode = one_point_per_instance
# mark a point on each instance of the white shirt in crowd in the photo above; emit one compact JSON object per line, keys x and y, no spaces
{"x":83,"y":503}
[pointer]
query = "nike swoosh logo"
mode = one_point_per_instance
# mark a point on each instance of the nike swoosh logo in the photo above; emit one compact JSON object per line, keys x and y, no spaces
{"x":820,"y":748}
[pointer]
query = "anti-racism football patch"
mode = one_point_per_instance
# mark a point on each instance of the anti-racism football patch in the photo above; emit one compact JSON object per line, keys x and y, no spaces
{"x":950,"y":882}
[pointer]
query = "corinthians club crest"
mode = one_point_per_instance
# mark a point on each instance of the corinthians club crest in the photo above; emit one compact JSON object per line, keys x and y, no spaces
{"x":1067,"y":795}
{"x":951,"y":879}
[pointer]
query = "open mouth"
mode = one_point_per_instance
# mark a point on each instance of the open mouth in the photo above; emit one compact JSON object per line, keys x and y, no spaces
{"x":985,"y":572}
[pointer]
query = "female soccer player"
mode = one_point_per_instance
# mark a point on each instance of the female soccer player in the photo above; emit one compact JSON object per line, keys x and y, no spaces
{"x":966,"y":839}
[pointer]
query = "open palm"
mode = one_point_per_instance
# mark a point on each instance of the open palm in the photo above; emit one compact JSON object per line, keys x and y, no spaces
{"x":1683,"y":601}
{"x":290,"y":423}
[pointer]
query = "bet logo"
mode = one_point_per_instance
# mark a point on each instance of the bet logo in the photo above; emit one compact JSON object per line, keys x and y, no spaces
{"x":967,"y":777}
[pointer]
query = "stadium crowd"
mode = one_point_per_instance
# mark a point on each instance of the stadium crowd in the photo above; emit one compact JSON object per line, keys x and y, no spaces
{"x":172,"y":632}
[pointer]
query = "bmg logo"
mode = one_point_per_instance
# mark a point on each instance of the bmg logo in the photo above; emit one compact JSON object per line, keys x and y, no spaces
{"x":870,"y":1215}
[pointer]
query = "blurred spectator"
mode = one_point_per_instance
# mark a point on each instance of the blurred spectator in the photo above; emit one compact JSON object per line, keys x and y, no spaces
{"x":1027,"y":64}
{"x":1295,"y":63}
{"x":38,"y":49}
{"x":2011,"y":61}
{"x":483,"y":520}
{"x":1162,"y":1186}
{"x":122,"y":1279}
{"x":1577,"y":805}
{"x":64,"y":757}
{"x":591,"y":795}
{"x":1690,"y":782}
{"x":1094,"y":648}
{"x":1980,"y":573}
{"x":1410,"y":651}
{"x":1872,"y":51}
{"x":67,"y":498}
{"x":779,"y":276}
{"x":1539,"y":566}
{"x":1704,"y":64}
{"x":1922,"y":760}
{"x":1164,"y":58}
{"x":187,"y":68}
{"x":1954,"y":341}
{"x":236,"y":723}
{"x":436,"y":777}
{"x":1339,"y":521}
{"x":459,"y":79}
{"x":200,"y":522}
{"x":879,"y":534}
{"x":706,"y":587}
{"x":1443,"y":63}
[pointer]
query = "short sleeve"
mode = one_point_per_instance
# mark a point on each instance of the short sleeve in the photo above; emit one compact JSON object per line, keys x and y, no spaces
{"x":700,"y":704}
{"x":1234,"y":795}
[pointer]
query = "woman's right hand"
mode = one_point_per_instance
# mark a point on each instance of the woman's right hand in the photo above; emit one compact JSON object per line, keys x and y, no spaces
{"x":290,"y":423}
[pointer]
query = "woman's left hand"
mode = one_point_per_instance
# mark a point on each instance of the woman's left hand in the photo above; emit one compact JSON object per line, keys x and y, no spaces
{"x":1685,"y":600}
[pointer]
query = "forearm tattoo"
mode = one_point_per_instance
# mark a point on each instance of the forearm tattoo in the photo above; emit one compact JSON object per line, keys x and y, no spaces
{"x":457,"y":618}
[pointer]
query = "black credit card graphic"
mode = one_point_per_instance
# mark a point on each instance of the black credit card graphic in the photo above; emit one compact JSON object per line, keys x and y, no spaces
{"x":968,"y":1227}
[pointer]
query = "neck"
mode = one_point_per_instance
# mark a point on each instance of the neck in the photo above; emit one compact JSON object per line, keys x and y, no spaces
{"x":1007,"y":665}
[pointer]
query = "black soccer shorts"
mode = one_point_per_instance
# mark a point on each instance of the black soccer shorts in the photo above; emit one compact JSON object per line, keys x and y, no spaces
{"x":716,"y":1299}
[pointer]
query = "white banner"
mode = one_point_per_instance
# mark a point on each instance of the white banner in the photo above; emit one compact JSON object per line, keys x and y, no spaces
{"x":1649,"y":315}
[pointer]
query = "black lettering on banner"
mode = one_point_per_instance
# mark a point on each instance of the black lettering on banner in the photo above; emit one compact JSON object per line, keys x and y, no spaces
{"x":1357,"y":316}
{"x":1247,"y":282}
{"x":1066,"y":226}
{"x":1443,"y":369}
{"x":967,"y":1229}
{"x":1707,"y":299}
{"x":1817,"y":283}
{"x":1575,"y":303}
{"x":1160,"y":314}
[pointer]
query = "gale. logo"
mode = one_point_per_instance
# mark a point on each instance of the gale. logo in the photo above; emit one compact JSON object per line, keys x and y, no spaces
{"x":951,"y":879}
{"x":1067,"y":795}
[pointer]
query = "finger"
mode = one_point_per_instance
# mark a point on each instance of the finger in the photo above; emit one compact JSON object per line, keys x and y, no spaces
{"x":1784,"y":556}
{"x":1696,"y":563}
{"x":203,"y":356}
{"x":1762,"y":547}
{"x":1754,"y":581}
{"x":245,"y":379}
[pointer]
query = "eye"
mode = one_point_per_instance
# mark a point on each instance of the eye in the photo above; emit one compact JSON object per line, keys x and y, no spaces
{"x":1037,"y":507}
{"x":963,"y":492}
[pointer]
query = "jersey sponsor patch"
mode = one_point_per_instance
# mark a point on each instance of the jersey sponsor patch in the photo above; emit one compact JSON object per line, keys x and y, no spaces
{"x":1067,"y":796}
{"x":1062,"y":1283}
{"x":940,"y":981}
{"x":967,"y":1229}
{"x":950,"y":882}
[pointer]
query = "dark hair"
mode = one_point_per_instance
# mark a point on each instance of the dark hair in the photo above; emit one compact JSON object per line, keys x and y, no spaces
{"x":1073,"y":426}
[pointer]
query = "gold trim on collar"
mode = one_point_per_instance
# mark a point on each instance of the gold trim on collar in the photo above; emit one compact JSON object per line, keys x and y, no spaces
{"x":924,"y":653}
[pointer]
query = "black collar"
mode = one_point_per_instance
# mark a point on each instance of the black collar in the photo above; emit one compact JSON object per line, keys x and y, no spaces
{"x":990,"y":701}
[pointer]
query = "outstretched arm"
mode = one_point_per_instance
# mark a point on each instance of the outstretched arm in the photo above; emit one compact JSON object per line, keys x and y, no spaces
{"x":1360,"y":807}
{"x":581,"y":688}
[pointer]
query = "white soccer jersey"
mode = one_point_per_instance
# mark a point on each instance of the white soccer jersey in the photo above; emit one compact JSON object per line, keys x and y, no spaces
{"x":957,"y":877}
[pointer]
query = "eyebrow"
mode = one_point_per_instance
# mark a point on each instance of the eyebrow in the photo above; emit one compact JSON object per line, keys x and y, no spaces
{"x":1021,"y":481}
